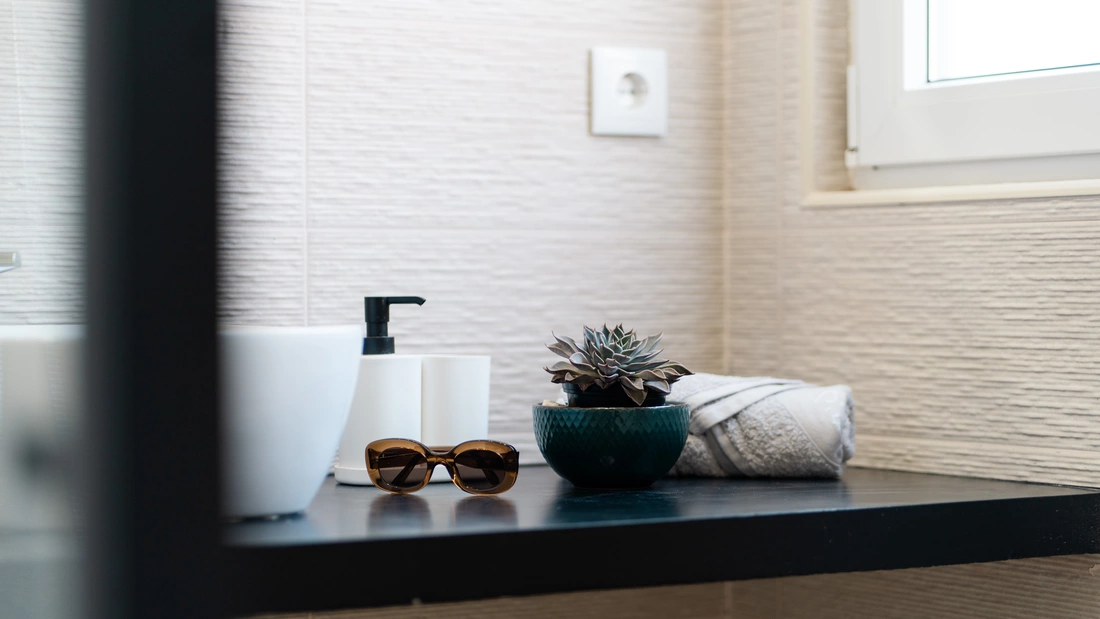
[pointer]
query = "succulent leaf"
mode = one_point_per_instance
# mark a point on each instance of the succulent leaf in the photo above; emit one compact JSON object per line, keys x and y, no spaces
{"x":609,"y":357}
{"x":661,"y":386}
{"x":564,"y":346}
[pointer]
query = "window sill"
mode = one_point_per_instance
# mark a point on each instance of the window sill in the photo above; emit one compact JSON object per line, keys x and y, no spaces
{"x":950,"y":193}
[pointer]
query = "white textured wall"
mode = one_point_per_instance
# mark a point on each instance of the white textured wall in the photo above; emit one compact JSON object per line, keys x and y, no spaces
{"x":969,"y":332}
{"x":40,"y":128}
{"x":441,"y":149}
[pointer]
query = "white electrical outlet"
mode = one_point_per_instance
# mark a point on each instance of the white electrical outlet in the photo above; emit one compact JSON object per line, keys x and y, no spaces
{"x":629,"y":91}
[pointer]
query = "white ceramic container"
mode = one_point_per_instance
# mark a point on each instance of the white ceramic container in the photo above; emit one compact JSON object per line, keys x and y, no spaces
{"x":286,"y":392}
{"x":40,"y":397}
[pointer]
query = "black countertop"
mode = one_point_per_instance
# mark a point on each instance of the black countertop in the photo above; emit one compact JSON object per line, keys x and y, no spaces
{"x":357,"y":546}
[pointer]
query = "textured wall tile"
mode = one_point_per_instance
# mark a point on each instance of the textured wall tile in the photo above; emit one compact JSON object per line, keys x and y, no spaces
{"x":830,"y":94}
{"x":49,"y":288}
{"x":746,"y":19}
{"x":442,"y":124}
{"x":1019,"y":462}
{"x":622,"y":17}
{"x":1051,"y":587}
{"x":789,"y":98}
{"x":40,"y":170}
{"x":11,"y":173}
{"x":262,"y":140}
{"x":754,"y":311}
{"x":753,"y":189}
{"x":751,"y":133}
{"x":262,"y":276}
{"x":953,"y":333}
{"x":502,"y":292}
{"x":752,"y":148}
{"x":684,"y":602}
{"x":40,"y":107}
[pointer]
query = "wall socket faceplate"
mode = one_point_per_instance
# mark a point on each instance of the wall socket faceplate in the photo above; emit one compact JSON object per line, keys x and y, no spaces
{"x":629,"y":91}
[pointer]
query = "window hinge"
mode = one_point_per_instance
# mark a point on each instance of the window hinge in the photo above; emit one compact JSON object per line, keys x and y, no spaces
{"x":851,"y":157}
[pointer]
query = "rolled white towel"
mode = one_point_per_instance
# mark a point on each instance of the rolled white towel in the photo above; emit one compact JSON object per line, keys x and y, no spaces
{"x":764,"y":427}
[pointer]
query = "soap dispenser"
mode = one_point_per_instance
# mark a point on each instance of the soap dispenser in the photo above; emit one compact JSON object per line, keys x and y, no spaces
{"x":387,"y":396}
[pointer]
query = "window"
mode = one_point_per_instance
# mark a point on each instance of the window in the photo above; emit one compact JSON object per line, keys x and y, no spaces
{"x":950,"y":92}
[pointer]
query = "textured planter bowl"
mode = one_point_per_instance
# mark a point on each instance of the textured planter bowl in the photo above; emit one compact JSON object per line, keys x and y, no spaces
{"x":611,"y":447}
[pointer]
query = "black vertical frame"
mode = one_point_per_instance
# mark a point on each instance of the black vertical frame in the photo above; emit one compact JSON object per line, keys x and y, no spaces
{"x":152,"y":457}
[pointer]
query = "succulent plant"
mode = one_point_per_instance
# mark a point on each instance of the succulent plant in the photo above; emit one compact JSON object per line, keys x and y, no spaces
{"x":610,"y":357}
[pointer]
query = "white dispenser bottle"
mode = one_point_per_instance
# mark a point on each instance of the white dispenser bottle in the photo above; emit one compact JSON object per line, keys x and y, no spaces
{"x":387,"y":396}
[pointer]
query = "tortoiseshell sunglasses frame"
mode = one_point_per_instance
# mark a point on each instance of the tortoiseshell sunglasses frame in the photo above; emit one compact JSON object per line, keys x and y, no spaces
{"x":446,"y":457}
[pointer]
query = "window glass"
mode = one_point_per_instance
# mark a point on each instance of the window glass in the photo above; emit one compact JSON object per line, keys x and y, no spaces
{"x":977,"y":38}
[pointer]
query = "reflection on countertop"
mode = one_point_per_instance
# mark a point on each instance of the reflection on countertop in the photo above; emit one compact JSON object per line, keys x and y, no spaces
{"x":541,"y":500}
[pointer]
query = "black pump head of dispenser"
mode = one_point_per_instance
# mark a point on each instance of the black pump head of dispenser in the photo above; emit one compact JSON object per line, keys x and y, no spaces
{"x":378,"y":340}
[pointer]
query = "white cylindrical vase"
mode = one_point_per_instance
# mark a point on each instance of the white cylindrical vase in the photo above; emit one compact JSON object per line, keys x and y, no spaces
{"x":386,"y":405}
{"x":455,"y":402}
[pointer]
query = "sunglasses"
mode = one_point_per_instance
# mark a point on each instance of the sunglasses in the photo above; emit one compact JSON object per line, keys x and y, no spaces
{"x":401,"y":466}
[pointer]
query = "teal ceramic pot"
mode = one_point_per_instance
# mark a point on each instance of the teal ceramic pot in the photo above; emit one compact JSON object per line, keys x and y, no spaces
{"x":611,"y":447}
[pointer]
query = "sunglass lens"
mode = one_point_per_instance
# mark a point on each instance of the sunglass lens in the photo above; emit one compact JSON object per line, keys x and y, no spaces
{"x":401,"y":467}
{"x":480,"y":469}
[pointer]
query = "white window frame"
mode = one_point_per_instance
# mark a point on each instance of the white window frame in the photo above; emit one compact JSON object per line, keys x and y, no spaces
{"x":906,"y":132}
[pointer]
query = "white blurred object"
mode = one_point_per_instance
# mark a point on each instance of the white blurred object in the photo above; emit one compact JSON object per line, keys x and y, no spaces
{"x":40,"y":394}
{"x":286,"y":392}
{"x":9,"y":260}
{"x":455,"y":402}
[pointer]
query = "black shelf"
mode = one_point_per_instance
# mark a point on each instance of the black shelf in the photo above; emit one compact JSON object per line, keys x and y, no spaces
{"x":359,"y":547}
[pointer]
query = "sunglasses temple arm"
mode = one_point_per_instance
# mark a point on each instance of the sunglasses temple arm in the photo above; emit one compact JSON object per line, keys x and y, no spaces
{"x":493,"y":477}
{"x":489,"y":473}
{"x":404,"y":474}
